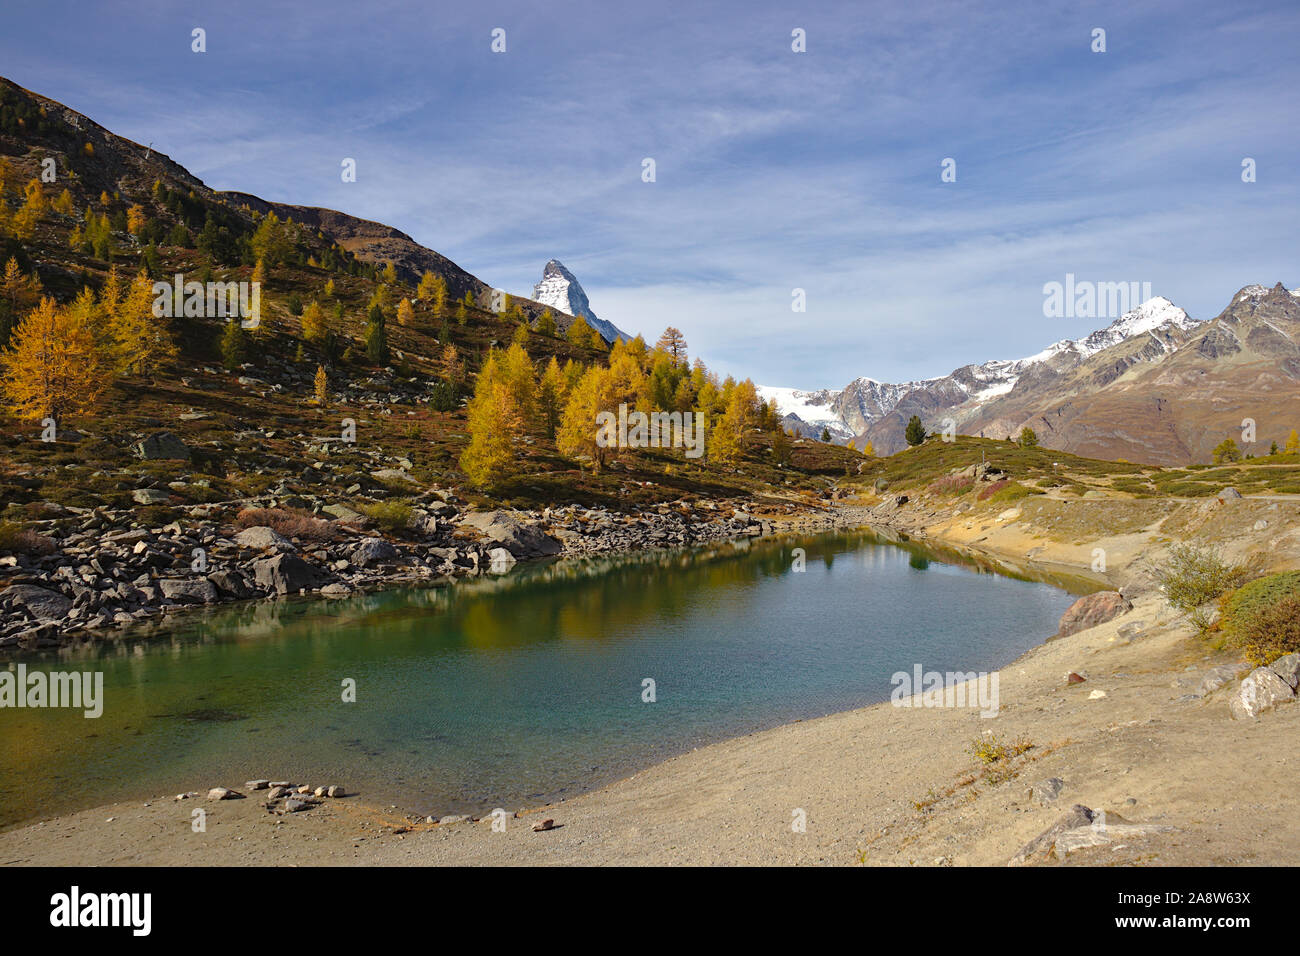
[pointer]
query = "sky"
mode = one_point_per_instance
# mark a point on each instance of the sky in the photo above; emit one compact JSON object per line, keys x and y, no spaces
{"x":775,"y":170}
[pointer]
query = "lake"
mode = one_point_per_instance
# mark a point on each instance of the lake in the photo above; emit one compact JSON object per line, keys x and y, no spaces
{"x":516,"y":690}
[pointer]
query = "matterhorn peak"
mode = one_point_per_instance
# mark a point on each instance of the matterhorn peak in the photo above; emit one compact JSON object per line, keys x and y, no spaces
{"x":561,"y":290}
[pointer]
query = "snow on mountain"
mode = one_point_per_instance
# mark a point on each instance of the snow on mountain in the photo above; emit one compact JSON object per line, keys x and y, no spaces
{"x":561,"y":290}
{"x":847,"y":412}
{"x":815,"y":409}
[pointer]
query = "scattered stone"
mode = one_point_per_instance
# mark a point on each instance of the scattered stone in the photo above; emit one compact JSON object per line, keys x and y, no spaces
{"x":335,"y":791}
{"x":150,"y":496}
{"x":506,"y":530}
{"x":1287,"y":668}
{"x":224,"y":793}
{"x":188,"y":590}
{"x":1073,"y":678}
{"x":1097,"y":695}
{"x":544,"y":826}
{"x":1041,"y":845}
{"x":257,"y":784}
{"x":1046,"y":791}
{"x":1216,"y":677}
{"x":287,"y":574}
{"x":453,"y":818}
{"x":161,"y":446}
{"x":295,"y":804}
{"x":41,"y":603}
{"x":372,"y":551}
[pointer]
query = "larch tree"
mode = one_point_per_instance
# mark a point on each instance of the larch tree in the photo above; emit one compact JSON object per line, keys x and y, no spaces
{"x":52,"y":368}
{"x":141,"y":339}
{"x":1292,"y":442}
{"x":578,"y":430}
{"x":313,"y":322}
{"x":405,"y":313}
{"x":321,"y":386}
{"x":674,"y":343}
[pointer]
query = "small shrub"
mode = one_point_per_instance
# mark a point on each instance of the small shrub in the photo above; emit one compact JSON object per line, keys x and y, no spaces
{"x":289,"y":522}
{"x":1197,"y":575}
{"x":1014,"y":492}
{"x":1263,"y":617}
{"x":951,"y":485}
{"x":15,"y":539}
{"x":993,"y":488}
{"x":391,"y":516}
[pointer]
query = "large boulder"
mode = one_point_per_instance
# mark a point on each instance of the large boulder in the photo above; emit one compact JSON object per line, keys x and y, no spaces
{"x":162,"y":445}
{"x":502,"y":529}
{"x":1262,"y":690}
{"x":188,"y":590}
{"x":372,"y":551}
{"x":262,"y":538}
{"x":1091,"y":610}
{"x":288,"y":574}
{"x":41,"y":603}
{"x":232,"y":584}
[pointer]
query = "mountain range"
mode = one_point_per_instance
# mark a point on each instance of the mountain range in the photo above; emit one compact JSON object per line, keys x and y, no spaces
{"x":1156,"y":386}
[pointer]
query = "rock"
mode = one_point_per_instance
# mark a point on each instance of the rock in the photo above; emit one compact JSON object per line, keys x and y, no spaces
{"x":1079,"y":816}
{"x":544,"y":826}
{"x":505,"y":530}
{"x":335,"y":791}
{"x":344,"y":513}
{"x":232,"y":584}
{"x":1102,"y":832}
{"x":1091,"y":610}
{"x":257,"y":784}
{"x":1287,"y":668}
{"x":187,"y":796}
{"x":261,"y":538}
{"x":162,"y":445}
{"x":1216,"y":677}
{"x":453,"y":818}
{"x":337,"y":589}
{"x":320,"y":791}
{"x":188,"y":590}
{"x":1073,"y":678}
{"x":1046,"y":791}
{"x":1259,"y":525}
{"x":41,"y":603}
{"x":277,"y":792}
{"x":287,"y":574}
{"x":372,"y":551}
{"x":1097,"y":695}
{"x":500,"y":560}
{"x":295,"y":804}
{"x":150,"y":496}
{"x":1262,"y":690}
{"x":1228,"y":494}
{"x":224,"y":793}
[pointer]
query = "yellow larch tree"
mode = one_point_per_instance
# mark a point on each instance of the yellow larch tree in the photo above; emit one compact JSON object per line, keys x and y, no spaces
{"x":52,"y":368}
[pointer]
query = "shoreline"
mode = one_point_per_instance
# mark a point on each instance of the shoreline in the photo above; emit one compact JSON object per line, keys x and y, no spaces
{"x":663,"y":795}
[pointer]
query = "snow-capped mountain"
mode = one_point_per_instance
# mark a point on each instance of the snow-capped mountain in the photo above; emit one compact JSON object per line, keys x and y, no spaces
{"x":561,"y":290}
{"x":854,"y":409}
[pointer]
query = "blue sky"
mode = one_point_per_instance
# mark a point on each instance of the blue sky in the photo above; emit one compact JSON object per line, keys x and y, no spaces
{"x":775,"y":170}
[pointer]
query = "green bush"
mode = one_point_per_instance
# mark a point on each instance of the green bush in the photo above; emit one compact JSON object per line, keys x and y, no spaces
{"x":391,"y":516}
{"x":1197,"y":575}
{"x":1263,"y":617}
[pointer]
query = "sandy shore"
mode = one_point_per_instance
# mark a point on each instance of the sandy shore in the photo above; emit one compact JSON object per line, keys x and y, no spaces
{"x":882,"y":785}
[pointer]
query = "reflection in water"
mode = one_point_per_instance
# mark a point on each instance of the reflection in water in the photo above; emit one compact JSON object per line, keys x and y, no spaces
{"x":515,"y":688}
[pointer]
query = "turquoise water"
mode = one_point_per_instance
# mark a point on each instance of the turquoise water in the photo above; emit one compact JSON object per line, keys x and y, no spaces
{"x":513,"y":690}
